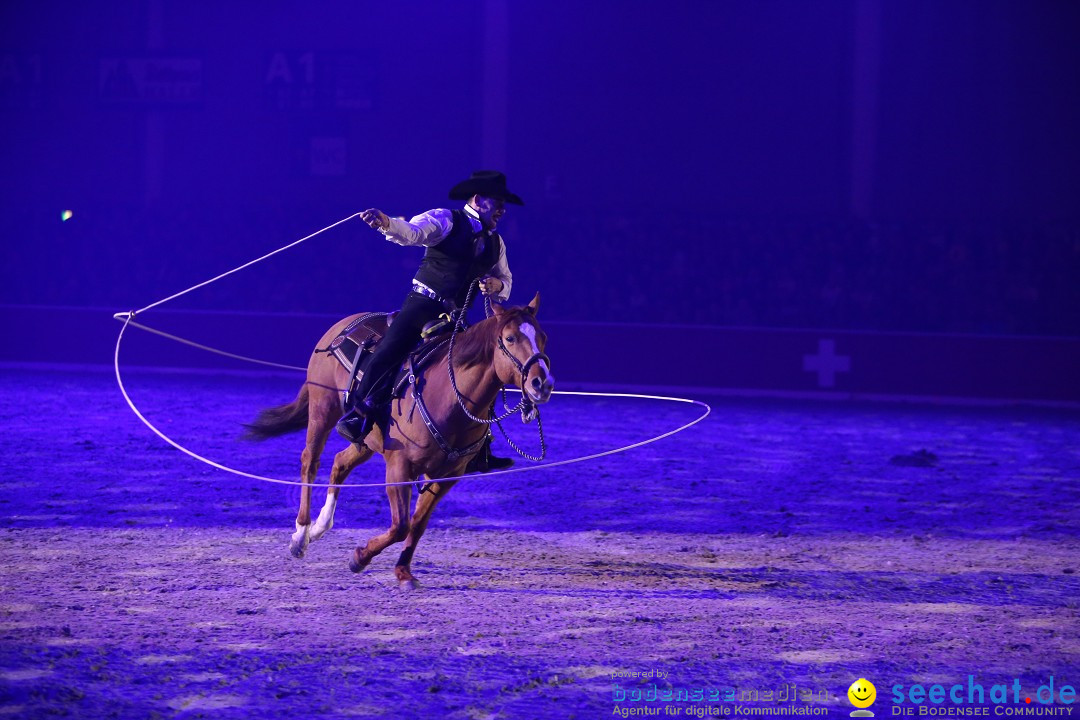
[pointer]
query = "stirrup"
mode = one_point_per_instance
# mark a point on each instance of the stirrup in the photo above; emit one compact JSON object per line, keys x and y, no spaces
{"x":355,"y":425}
{"x":437,"y":326}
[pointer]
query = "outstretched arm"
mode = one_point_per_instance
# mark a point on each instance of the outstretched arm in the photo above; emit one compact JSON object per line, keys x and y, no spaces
{"x":425,"y":230}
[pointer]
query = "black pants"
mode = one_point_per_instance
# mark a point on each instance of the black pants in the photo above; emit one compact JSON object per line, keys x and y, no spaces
{"x":403,"y":335}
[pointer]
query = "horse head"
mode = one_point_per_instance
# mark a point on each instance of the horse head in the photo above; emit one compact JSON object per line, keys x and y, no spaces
{"x":519,"y":357}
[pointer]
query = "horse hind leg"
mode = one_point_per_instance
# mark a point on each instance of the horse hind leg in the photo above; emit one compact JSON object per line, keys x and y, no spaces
{"x":344,"y":463}
{"x":321,"y":417}
{"x":309,"y":467}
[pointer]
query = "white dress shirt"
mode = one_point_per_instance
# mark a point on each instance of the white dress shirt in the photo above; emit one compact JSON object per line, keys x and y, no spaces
{"x":432,"y":227}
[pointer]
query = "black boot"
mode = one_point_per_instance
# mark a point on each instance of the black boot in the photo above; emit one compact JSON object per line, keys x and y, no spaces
{"x":357,"y":423}
{"x":495,"y":464}
{"x":483,"y":461}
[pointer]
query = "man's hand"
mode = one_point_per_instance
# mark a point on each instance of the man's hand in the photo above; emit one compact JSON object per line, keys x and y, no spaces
{"x":375,"y":218}
{"x":491,"y":285}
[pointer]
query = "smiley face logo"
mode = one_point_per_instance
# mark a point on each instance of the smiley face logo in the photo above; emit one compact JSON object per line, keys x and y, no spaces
{"x":862,"y":693}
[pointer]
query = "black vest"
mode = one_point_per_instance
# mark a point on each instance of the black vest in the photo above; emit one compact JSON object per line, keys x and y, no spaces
{"x":451,"y":266}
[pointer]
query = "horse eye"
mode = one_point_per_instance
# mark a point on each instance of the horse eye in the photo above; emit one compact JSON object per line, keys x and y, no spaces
{"x":511,"y":338}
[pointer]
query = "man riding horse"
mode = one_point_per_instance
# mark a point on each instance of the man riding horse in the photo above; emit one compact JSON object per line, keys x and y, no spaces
{"x":462,"y":248}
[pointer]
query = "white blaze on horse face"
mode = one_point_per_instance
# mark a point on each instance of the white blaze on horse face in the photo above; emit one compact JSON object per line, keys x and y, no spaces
{"x":530,"y":332}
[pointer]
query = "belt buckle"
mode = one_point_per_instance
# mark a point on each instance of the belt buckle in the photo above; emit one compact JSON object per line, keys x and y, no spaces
{"x":427,"y":292}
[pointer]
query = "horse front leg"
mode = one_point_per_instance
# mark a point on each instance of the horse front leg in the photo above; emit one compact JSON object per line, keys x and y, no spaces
{"x":425,"y":504}
{"x":399,"y":495}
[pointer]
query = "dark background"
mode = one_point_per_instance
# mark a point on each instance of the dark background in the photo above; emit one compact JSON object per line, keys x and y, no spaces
{"x":829,"y":164}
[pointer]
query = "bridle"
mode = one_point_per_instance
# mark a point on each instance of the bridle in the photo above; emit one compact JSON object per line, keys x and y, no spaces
{"x":523,"y":368}
{"x":528,"y":410}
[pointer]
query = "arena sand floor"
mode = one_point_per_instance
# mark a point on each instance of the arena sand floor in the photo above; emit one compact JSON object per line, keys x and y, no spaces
{"x":778,"y":549}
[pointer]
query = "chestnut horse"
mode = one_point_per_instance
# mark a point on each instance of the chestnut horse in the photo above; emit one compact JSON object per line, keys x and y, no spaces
{"x":505,"y":349}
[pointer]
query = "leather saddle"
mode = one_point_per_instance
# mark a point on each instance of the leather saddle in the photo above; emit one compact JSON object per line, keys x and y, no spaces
{"x":356,"y":343}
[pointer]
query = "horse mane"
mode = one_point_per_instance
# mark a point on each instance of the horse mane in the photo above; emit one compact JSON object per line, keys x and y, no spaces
{"x":476,"y":346}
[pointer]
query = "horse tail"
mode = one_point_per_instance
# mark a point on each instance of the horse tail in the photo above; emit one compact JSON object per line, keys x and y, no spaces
{"x":281,"y":419}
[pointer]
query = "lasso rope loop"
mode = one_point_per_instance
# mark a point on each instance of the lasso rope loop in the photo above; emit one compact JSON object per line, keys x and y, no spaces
{"x":128,"y":318}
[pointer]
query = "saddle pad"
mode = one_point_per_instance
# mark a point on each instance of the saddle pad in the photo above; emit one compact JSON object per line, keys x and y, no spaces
{"x":369,"y":326}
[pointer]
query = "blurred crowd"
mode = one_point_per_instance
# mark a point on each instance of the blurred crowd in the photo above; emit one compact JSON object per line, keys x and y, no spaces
{"x":956,"y":276}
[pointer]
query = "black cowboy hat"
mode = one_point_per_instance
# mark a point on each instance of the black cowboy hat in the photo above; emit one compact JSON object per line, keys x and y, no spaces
{"x":488,"y":183}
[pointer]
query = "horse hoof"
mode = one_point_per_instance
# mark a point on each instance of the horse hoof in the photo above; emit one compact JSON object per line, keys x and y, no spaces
{"x":408,"y":585}
{"x":356,"y":564}
{"x":298,"y":546}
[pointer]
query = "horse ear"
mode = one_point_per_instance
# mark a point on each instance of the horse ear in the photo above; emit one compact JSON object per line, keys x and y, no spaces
{"x":497,"y":309}
{"x":534,"y":304}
